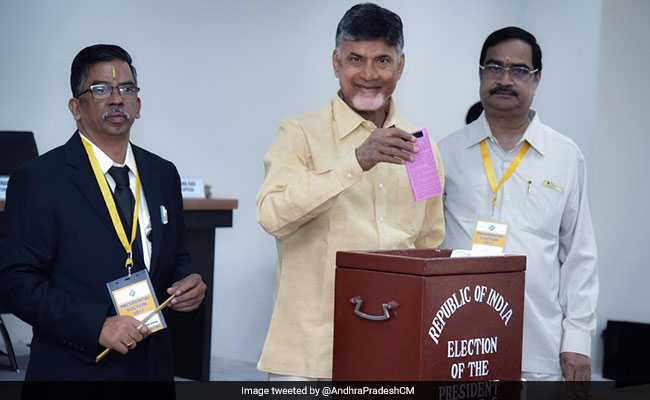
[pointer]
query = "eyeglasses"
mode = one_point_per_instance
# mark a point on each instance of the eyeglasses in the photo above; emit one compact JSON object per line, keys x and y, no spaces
{"x":496,"y":71}
{"x":104,"y":90}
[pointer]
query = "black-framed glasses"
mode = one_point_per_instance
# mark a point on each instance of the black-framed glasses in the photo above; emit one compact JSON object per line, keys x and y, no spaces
{"x":518,"y":73}
{"x":104,"y":90}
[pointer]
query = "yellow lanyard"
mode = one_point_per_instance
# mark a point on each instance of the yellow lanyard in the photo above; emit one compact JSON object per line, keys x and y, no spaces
{"x":112,"y":209}
{"x":489,"y":170}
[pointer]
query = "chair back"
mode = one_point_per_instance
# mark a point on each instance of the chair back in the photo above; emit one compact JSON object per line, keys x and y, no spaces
{"x":16,"y":148}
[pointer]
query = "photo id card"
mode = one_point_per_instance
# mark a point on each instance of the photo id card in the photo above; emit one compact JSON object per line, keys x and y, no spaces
{"x":489,"y":238}
{"x":134,"y":296}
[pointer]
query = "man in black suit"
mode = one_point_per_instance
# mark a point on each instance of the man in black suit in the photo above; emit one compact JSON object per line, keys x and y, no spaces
{"x":63,"y":247}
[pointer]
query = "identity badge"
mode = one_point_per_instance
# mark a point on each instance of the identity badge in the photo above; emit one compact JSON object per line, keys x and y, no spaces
{"x":134,"y":296}
{"x":489,"y":238}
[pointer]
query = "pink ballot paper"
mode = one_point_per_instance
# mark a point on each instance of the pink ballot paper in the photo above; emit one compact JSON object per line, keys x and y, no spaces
{"x":423,"y":172}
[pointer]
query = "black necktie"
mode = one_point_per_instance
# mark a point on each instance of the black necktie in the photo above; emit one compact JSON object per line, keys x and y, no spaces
{"x":125,"y":204}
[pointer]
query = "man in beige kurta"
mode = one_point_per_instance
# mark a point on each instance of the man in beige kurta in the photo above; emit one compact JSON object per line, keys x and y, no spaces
{"x":335,"y":180}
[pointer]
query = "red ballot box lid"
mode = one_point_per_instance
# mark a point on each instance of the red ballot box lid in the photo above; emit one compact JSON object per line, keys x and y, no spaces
{"x":428,"y":262}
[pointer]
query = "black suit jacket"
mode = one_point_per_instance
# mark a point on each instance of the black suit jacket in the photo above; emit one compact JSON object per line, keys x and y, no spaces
{"x":61,"y":250}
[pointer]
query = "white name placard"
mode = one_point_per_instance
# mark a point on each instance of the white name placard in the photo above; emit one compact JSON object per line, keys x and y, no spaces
{"x":4,"y":181}
{"x":192,"y":188}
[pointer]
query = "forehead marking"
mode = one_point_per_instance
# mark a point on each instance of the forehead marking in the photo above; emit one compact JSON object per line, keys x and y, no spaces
{"x":113,"y":71}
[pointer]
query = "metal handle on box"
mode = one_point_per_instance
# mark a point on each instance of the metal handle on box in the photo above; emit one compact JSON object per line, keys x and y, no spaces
{"x":358,"y":303}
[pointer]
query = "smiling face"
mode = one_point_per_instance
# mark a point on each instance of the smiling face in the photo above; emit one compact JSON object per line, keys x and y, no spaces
{"x":505,"y":95}
{"x":368,"y":71}
{"x":113,"y":115}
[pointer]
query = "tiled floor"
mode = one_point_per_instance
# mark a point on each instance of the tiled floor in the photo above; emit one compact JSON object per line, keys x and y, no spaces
{"x":221,"y":369}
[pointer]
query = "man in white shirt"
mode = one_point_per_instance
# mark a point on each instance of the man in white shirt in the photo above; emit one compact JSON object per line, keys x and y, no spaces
{"x":539,"y":189}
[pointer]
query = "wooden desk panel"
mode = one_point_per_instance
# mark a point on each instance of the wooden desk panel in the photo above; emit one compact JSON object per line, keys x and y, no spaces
{"x":192,"y":204}
{"x":3,"y":219}
{"x":192,"y":332}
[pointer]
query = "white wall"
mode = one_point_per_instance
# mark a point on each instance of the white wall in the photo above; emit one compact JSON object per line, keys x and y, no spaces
{"x":569,"y":34}
{"x":620,"y":184}
{"x":217,"y":77}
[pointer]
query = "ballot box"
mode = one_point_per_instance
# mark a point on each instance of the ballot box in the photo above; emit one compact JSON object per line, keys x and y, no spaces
{"x":421,"y":315}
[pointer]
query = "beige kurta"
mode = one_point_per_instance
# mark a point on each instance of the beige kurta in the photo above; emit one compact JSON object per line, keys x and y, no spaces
{"x":316,"y":200}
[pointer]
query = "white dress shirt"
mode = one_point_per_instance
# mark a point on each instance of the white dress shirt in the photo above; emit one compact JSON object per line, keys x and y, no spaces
{"x":144,"y":220}
{"x":545,"y":206}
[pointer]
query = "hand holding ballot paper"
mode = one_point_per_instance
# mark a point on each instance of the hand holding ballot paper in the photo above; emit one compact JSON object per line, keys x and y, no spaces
{"x":395,"y":146}
{"x":423,"y":170}
{"x":391,"y":145}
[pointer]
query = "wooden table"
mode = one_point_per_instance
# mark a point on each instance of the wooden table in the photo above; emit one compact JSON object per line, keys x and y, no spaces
{"x":192,"y":332}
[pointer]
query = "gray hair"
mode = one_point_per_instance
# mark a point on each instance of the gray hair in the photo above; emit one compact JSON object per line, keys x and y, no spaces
{"x":369,"y":21}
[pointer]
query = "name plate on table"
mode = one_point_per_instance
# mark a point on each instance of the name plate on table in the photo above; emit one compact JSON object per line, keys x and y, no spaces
{"x":4,"y":181}
{"x":192,"y":188}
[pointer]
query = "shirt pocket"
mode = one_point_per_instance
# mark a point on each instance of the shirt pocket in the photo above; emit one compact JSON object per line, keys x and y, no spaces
{"x":542,"y":207}
{"x":409,"y":214}
{"x":466,"y":197}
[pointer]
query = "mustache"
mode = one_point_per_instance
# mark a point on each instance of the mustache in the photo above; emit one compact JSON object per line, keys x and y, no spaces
{"x":116,"y":111}
{"x":504,"y":90}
